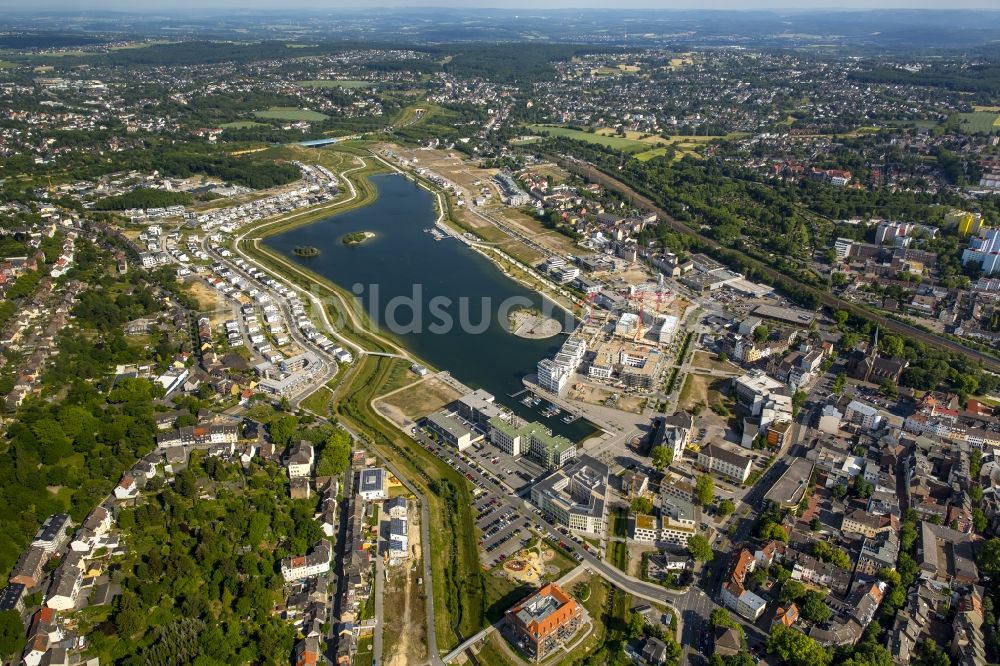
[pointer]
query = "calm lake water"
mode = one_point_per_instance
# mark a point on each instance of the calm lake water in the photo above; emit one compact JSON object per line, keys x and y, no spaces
{"x":403,"y":265}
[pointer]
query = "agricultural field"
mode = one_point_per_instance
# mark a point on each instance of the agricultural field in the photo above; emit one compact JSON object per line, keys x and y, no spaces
{"x":979,"y":121}
{"x":290,"y":113}
{"x":334,"y":83}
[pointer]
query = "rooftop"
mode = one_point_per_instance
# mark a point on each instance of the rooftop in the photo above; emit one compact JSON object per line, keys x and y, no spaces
{"x":372,"y":480}
{"x":449,"y":425}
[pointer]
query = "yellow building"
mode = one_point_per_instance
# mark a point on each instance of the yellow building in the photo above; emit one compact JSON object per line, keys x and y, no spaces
{"x":968,"y":223}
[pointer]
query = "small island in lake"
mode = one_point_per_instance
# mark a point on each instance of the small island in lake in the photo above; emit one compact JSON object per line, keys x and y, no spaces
{"x":532,"y":324}
{"x":306,"y":251}
{"x":357,"y":237}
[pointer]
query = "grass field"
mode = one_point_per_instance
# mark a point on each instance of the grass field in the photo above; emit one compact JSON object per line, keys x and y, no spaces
{"x":979,"y":121}
{"x":290,"y":113}
{"x":703,"y":359}
{"x":242,"y":124}
{"x":334,"y":83}
{"x":612,"y":71}
{"x":421,"y":399}
{"x":493,"y":653}
{"x":616,"y":142}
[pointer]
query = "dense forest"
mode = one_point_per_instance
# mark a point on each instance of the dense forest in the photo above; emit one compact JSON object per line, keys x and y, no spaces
{"x":983,"y":78}
{"x":201,"y":576}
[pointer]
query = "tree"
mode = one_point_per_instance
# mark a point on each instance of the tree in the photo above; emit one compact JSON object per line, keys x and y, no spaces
{"x":792,"y":590}
{"x":636,"y":623}
{"x":760,"y":334}
{"x":979,"y":520}
{"x":793,"y":647}
{"x":929,"y":653}
{"x":890,"y":576}
{"x":283,"y":430}
{"x":891,"y":345}
{"x":11,"y":633}
{"x":704,"y":490}
{"x":798,"y":399}
{"x":185,"y":484}
{"x":720,"y":617}
{"x":741,"y":658}
{"x":642,"y":505}
{"x":129,"y":618}
{"x":839,"y":382}
{"x":869,"y":653}
{"x":335,"y":456}
{"x":726,"y":507}
{"x":768,"y":530}
{"x":988,"y":558}
{"x":699,"y":548}
{"x":813,"y":607}
{"x":662,"y":457}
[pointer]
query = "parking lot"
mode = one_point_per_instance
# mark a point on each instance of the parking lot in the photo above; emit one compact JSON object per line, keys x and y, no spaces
{"x":502,"y":511}
{"x":504,"y":530}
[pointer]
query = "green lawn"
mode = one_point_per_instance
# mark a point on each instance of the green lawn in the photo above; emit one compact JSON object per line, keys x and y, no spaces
{"x":289,"y":113}
{"x":618,"y":555}
{"x":616,"y":142}
{"x":502,"y":593}
{"x":364,"y":655}
{"x":334,"y":83}
{"x":979,"y":121}
{"x":492,"y":652}
{"x":561,"y":560}
{"x":242,"y":124}
{"x":617,"y":523}
{"x":647,"y":155}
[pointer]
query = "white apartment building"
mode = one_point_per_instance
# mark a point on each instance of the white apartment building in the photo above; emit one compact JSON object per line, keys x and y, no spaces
{"x":862,"y":415}
{"x":727,"y":463}
{"x":297,"y":567}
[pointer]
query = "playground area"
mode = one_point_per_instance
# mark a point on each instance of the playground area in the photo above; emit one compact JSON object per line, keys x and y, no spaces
{"x":530,"y":565}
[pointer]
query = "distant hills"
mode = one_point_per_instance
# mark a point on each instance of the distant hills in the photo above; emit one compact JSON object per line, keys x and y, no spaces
{"x":896,"y":30}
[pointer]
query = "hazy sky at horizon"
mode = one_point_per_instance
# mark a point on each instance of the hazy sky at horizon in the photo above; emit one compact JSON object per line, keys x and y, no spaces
{"x":527,"y":5}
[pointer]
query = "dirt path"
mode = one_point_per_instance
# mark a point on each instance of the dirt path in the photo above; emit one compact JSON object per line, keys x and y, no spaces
{"x":410,"y":648}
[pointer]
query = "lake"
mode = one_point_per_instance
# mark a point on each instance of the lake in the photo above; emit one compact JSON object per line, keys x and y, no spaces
{"x":411,"y":285}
